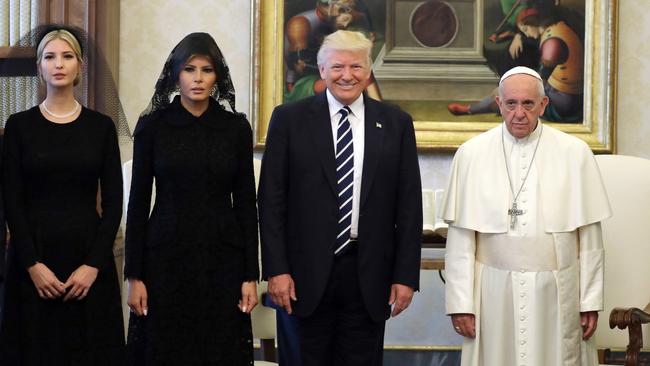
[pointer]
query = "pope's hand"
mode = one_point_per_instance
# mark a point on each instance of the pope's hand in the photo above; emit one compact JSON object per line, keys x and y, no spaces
{"x":464,"y":324}
{"x":589,"y":322}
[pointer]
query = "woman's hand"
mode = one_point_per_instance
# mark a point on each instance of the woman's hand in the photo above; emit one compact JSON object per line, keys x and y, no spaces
{"x":248,"y":297}
{"x":46,"y":282}
{"x":80,"y":281}
{"x":137,"y":299}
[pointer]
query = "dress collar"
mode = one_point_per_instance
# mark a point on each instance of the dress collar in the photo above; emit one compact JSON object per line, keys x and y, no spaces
{"x":179,"y":116}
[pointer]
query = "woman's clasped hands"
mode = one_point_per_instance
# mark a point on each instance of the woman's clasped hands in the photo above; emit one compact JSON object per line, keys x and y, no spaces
{"x":50,"y":287}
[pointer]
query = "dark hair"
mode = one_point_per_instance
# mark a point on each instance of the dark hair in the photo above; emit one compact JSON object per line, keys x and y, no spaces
{"x":194,"y":44}
{"x":197,"y":44}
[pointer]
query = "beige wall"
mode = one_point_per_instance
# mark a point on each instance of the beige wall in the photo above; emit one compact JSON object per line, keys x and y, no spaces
{"x":633,"y":79}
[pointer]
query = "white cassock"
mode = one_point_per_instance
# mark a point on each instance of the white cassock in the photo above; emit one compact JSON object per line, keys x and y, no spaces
{"x":525,"y":285}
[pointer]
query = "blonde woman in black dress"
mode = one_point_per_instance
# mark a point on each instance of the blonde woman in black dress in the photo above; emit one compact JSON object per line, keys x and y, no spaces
{"x":62,"y":303}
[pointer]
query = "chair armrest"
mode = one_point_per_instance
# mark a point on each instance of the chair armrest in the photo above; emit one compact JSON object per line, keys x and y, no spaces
{"x":630,"y":318}
{"x":624,"y":317}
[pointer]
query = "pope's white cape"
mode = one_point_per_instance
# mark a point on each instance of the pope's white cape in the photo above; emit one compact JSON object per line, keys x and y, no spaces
{"x":572,"y":192}
{"x":573,"y":202}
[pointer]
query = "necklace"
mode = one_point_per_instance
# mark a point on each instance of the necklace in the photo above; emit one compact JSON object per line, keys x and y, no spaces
{"x":513,"y":212}
{"x":62,"y":116}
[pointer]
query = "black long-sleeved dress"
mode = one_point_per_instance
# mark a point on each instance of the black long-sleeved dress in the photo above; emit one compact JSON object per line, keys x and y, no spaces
{"x":200,"y":242}
{"x":3,"y":235}
{"x":52,"y":173}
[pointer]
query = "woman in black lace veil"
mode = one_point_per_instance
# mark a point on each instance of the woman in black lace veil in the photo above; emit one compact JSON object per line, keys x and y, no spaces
{"x":192,"y":263}
{"x":62,"y":300}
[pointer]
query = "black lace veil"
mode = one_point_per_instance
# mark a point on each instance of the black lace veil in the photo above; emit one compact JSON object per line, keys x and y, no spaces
{"x":97,"y":89}
{"x":167,"y":84}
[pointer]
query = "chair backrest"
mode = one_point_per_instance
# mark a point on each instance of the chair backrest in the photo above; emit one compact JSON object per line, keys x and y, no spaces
{"x":263,"y":318}
{"x":626,"y":237}
{"x":257,"y":167}
{"x":126,"y":185}
{"x":127,"y":169}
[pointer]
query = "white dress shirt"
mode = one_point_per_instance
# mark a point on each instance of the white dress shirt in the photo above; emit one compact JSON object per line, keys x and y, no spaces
{"x":356,"y":119}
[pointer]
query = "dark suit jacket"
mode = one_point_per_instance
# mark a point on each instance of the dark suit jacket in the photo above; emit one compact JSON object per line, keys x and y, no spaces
{"x":298,"y":205}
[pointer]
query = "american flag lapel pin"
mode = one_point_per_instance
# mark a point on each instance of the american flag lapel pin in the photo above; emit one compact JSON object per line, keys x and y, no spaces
{"x":378,"y":125}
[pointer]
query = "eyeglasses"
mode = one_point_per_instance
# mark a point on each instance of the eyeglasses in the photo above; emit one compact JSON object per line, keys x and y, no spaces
{"x":511,"y":105}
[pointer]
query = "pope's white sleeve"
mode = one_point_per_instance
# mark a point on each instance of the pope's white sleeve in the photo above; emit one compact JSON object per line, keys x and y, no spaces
{"x":459,"y":268}
{"x":592,"y":257}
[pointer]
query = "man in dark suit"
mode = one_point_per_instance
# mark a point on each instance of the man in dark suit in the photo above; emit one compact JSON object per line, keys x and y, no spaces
{"x":340,"y":210}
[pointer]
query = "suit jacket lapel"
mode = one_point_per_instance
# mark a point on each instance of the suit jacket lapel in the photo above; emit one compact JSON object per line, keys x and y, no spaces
{"x":321,"y":128}
{"x":374,"y":138}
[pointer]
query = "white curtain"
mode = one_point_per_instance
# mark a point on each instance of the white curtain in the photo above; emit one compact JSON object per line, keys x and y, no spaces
{"x":17,"y":18}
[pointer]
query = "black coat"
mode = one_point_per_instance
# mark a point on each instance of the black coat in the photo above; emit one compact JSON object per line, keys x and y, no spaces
{"x":299,"y":209}
{"x":200,"y":242}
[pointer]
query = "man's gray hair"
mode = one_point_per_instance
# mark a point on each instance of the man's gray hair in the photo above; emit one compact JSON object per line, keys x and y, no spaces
{"x":343,"y":40}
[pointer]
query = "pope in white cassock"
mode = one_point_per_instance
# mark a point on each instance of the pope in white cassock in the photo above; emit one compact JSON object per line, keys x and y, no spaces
{"x":524,"y":256}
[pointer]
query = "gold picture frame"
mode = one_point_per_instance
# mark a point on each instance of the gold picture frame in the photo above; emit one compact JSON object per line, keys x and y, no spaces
{"x":598,"y":128}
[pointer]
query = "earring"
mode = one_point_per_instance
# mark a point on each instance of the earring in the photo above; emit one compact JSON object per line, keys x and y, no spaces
{"x":215,"y":91}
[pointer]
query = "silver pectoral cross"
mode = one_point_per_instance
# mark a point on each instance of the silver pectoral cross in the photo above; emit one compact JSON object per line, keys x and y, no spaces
{"x":514,"y":212}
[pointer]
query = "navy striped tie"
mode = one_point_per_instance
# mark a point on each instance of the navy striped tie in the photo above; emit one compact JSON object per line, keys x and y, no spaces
{"x":344,"y":178}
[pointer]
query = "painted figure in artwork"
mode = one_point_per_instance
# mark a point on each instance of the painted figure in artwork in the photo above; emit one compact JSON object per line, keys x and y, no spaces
{"x":304,"y":33}
{"x":560,"y":63}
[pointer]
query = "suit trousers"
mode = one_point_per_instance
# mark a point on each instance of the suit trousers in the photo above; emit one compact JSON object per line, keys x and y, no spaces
{"x":287,"y":335}
{"x":340,"y":332}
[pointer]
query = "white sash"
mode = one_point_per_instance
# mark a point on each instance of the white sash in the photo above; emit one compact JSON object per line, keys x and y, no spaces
{"x":517,"y":253}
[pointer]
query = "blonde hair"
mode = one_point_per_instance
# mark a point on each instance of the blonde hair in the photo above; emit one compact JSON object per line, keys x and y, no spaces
{"x":343,"y":40}
{"x":70,"y":39}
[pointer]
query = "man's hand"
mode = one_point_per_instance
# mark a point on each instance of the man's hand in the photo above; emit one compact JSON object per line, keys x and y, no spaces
{"x":589,"y":322}
{"x":248,"y":297}
{"x":79,"y":282}
{"x":400,"y":297}
{"x":137,"y":299}
{"x":464,"y":324}
{"x":282,"y":290}
{"x":47,"y":284}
